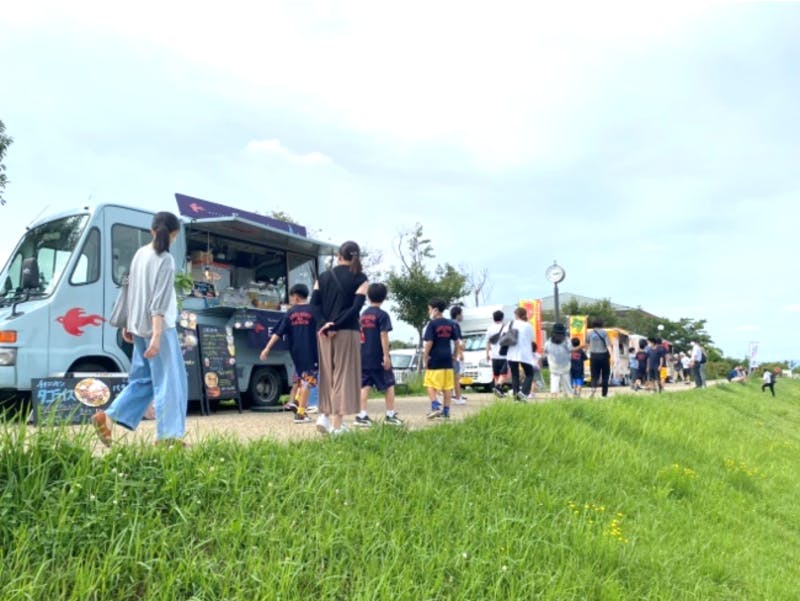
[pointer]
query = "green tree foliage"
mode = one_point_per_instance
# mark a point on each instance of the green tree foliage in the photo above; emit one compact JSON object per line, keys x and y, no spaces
{"x":415,"y":284}
{"x":5,"y":142}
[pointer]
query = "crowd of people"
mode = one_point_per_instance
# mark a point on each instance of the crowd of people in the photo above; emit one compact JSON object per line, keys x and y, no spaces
{"x":342,"y":351}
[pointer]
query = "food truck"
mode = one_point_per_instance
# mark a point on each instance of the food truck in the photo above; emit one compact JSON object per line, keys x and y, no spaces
{"x":62,"y":278}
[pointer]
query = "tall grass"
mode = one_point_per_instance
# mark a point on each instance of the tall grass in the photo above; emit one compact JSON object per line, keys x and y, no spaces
{"x":691,"y":495}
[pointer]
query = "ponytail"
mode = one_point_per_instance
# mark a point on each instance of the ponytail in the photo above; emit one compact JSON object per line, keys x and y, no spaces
{"x":164,"y":224}
{"x":350,"y":251}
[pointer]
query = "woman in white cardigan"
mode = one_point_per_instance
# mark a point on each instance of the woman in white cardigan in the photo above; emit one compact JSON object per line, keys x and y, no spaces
{"x":520,"y":355}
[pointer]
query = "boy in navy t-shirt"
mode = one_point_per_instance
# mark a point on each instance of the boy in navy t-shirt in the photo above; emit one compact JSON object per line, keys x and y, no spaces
{"x":299,"y":325}
{"x":576,"y":365}
{"x":376,"y":365}
{"x":438,"y":358}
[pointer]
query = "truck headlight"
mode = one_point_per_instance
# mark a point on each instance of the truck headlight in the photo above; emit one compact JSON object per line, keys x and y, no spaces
{"x":8,"y":356}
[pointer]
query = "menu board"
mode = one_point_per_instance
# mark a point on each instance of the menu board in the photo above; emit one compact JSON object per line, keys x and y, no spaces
{"x":73,"y":400}
{"x":218,"y":361}
{"x":187,"y":334}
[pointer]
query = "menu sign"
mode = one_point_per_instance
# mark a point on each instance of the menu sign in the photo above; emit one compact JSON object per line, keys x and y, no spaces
{"x":73,"y":400}
{"x":187,"y":334}
{"x":218,"y":360}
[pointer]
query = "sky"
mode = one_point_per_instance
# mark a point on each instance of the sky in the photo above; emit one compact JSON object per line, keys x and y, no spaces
{"x":652,"y":151}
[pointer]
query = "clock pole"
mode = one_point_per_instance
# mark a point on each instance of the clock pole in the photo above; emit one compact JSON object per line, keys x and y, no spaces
{"x":555,"y":274}
{"x":555,"y":300}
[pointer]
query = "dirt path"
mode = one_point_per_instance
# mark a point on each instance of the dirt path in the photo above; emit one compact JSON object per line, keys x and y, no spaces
{"x":278,"y":425}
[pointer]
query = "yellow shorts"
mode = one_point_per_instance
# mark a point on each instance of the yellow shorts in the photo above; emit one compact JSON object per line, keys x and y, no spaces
{"x":440,"y":379}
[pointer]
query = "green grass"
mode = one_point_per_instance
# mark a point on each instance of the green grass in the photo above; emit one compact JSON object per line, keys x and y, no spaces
{"x":691,"y":495}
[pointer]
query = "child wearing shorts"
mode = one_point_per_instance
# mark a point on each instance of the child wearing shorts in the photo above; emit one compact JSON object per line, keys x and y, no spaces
{"x":438,"y":358}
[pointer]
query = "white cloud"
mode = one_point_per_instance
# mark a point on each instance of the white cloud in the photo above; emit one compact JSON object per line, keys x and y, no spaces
{"x":795,"y":308}
{"x":274,"y":146}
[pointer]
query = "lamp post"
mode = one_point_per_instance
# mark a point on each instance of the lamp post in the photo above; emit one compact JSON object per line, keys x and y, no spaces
{"x":555,"y":274}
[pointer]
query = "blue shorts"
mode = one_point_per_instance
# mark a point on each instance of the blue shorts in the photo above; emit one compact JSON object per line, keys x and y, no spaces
{"x":379,"y":379}
{"x":456,"y":367}
{"x":577,"y":382}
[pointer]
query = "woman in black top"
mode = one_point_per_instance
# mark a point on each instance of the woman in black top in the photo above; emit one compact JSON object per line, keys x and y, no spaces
{"x":339,"y":295}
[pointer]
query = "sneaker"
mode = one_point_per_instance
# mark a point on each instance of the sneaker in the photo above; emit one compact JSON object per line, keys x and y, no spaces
{"x":323,"y":424}
{"x":394,"y":420}
{"x":521,"y":397}
{"x":102,"y":427}
{"x":290,"y":406}
{"x":363,"y":422}
{"x":532,"y":397}
{"x":443,"y":416}
{"x":434,"y":414}
{"x":302,"y":419}
{"x":340,"y":430}
{"x":312,"y":409}
{"x":460,"y":401}
{"x":498,"y":392}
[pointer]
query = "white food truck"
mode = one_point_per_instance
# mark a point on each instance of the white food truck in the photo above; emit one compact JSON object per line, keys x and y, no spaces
{"x":63,"y":276}
{"x":477,"y":370}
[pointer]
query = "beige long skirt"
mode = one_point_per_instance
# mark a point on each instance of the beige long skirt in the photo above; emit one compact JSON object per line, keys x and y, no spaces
{"x":340,"y":373}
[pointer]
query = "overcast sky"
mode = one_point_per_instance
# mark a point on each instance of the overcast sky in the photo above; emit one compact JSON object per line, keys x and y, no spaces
{"x":653,"y":152}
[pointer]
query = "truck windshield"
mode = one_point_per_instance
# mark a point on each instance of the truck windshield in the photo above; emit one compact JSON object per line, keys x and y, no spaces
{"x":52,"y":244}
{"x":475,"y":342}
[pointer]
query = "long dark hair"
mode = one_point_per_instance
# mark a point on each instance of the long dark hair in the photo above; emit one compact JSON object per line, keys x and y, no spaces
{"x":350,"y":251}
{"x":164,"y":223}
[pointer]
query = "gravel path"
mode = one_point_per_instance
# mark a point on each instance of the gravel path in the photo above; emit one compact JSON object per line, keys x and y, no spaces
{"x":278,"y":425}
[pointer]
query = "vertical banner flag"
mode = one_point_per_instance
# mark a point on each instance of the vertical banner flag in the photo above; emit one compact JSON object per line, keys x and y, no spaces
{"x":752,"y":353}
{"x":577,"y":327}
{"x":534,"y":309}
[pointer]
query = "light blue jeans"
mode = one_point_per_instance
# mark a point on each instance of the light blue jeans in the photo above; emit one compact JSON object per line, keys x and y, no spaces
{"x":161,"y":380}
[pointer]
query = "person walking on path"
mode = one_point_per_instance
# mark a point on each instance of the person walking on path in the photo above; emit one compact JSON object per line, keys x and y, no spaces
{"x":157,"y":373}
{"x":299,"y":325}
{"x":457,"y":316}
{"x":698,"y":360}
{"x":599,"y":356}
{"x":576,"y":359}
{"x":339,"y":295}
{"x":438,"y":358}
{"x":499,"y":362}
{"x":558,"y":350}
{"x":520,"y":356}
{"x":768,"y":380}
{"x":376,"y":363}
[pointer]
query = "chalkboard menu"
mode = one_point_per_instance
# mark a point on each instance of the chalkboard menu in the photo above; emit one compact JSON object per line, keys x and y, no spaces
{"x":187,"y":334}
{"x":73,"y":400}
{"x":218,"y":360}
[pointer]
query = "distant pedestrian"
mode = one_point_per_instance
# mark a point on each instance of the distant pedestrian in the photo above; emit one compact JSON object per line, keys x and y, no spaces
{"x":538,"y":379}
{"x":157,"y":371}
{"x":339,"y":294}
{"x":633,"y":367}
{"x":457,"y":316}
{"x":499,"y":361}
{"x":599,"y":356}
{"x":520,"y":356}
{"x":438,"y":358}
{"x":656,"y":357}
{"x":376,"y":363}
{"x":299,"y":326}
{"x":577,"y":359}
{"x":686,"y":364}
{"x":641,"y":360}
{"x":698,"y":360}
{"x":768,"y":380}
{"x":558,"y":350}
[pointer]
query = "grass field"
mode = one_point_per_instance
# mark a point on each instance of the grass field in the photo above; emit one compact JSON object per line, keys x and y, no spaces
{"x":691,"y":495}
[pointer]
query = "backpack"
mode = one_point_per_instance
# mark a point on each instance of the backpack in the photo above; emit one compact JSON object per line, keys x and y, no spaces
{"x":703,"y":357}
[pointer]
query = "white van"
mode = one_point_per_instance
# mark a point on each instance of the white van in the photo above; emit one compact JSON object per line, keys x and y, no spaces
{"x":63,"y":276}
{"x":477,"y":370}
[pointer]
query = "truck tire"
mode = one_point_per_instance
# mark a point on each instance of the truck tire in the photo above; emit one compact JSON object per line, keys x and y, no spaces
{"x":266,"y":387}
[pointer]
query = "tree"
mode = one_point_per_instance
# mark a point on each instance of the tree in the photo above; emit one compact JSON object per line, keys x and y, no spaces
{"x":414,"y":285}
{"x":478,"y":283}
{"x":5,"y":142}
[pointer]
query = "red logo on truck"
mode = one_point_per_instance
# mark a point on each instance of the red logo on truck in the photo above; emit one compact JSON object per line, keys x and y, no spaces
{"x":75,"y":320}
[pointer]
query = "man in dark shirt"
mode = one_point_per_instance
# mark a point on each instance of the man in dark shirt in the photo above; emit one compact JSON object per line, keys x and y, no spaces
{"x":299,"y":325}
{"x":438,"y":358}
{"x":656,"y":358}
{"x":376,"y":365}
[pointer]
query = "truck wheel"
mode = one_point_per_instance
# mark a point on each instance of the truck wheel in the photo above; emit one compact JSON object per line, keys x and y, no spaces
{"x":266,"y":387}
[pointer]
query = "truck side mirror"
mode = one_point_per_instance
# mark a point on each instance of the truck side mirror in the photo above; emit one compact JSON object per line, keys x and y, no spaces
{"x":30,"y":274}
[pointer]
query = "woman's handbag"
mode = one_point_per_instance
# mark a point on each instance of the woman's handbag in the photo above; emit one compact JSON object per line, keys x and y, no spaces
{"x":119,"y":312}
{"x":509,"y":338}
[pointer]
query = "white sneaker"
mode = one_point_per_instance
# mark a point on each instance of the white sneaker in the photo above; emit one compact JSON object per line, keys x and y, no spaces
{"x":324,"y":424}
{"x":460,"y":401}
{"x":312,"y":409}
{"x":340,"y":430}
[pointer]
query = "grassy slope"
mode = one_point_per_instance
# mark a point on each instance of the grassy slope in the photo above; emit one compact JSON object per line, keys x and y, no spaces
{"x":683,"y":496}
